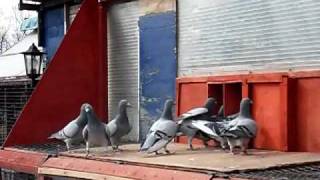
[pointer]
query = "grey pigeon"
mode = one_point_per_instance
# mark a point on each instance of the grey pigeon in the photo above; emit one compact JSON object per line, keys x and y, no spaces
{"x":72,"y":132}
{"x":94,"y":133}
{"x":119,"y":126}
{"x":199,"y":113}
{"x":240,"y":130}
{"x":161,"y":132}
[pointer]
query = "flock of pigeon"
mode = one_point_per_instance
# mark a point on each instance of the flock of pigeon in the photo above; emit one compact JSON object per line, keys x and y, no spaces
{"x":231,"y":131}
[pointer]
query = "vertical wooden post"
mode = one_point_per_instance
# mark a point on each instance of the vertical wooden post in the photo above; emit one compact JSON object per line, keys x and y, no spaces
{"x":102,"y":60}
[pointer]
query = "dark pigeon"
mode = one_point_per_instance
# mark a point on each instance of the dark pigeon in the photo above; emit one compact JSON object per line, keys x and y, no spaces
{"x":201,"y":113}
{"x":119,"y":126}
{"x":95,"y":132}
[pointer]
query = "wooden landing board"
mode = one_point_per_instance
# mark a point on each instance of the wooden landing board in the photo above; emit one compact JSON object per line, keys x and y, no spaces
{"x":199,"y":160}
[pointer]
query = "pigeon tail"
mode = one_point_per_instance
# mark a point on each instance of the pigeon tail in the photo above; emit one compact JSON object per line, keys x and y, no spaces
{"x":55,"y":136}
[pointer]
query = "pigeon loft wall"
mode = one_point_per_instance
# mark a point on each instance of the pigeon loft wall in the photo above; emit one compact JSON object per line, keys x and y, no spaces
{"x":285,"y":105}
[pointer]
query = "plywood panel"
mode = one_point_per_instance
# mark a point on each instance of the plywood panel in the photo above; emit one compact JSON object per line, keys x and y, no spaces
{"x":192,"y":95}
{"x":308,"y":114}
{"x":266,"y":111}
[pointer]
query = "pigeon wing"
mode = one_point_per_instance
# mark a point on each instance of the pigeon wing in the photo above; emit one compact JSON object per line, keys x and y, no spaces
{"x":111,"y":128}
{"x":193,"y":112}
{"x":204,"y":126}
{"x":158,"y":145}
{"x":69,"y":131}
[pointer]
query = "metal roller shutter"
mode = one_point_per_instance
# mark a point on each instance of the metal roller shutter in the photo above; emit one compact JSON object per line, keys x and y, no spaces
{"x":72,"y":12}
{"x":123,"y":64}
{"x":217,"y":36}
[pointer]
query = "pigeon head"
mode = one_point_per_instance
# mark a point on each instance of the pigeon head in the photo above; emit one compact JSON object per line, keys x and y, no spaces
{"x":124,"y":104}
{"x":83,"y":106}
{"x":245,"y":107}
{"x":210,"y":103}
{"x":167,"y":110}
{"x":82,"y":120}
{"x":87,"y":107}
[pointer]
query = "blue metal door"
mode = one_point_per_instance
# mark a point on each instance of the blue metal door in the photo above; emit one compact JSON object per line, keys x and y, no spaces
{"x":53,"y":30}
{"x":157,"y":65}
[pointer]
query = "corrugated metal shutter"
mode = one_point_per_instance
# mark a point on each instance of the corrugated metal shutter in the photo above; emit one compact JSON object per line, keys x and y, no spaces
{"x":234,"y":35}
{"x":72,"y":12}
{"x":123,"y":64}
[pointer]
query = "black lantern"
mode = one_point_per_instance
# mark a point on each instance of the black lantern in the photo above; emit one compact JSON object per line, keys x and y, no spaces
{"x":33,"y":61}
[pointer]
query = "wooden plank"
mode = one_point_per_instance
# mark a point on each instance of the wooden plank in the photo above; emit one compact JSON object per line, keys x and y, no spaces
{"x":120,"y":169}
{"x":201,"y":160}
{"x":21,"y":161}
{"x":76,"y":174}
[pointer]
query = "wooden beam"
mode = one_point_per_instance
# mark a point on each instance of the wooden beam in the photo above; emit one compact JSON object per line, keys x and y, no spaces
{"x":76,"y":174}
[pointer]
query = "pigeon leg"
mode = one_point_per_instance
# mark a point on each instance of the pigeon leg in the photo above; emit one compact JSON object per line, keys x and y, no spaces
{"x":244,"y":146}
{"x":190,"y":143}
{"x":231,"y":146}
{"x":87,"y":148}
{"x":68,"y":146}
{"x":166,"y":150}
{"x":116,"y":148}
{"x":244,"y":150}
{"x":205,"y":143}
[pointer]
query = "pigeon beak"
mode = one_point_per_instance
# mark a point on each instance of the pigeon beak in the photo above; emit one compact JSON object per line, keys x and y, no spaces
{"x":129,"y":105}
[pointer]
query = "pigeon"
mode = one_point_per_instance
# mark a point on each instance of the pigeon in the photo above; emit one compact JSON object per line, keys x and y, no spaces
{"x":119,"y":126}
{"x":72,"y":132}
{"x":95,"y":132}
{"x":199,"y":113}
{"x":161,"y":132}
{"x":240,"y":130}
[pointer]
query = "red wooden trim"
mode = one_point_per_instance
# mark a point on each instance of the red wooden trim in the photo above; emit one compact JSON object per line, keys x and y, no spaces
{"x":305,"y":74}
{"x":284,"y":114}
{"x":245,"y":89}
{"x":102,"y":60}
{"x":192,"y":79}
{"x":21,"y":161}
{"x":120,"y":170}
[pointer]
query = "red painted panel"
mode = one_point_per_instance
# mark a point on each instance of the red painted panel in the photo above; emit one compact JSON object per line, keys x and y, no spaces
{"x":26,"y":162}
{"x":75,"y":75}
{"x":266,"y":111}
{"x":308,"y":115}
{"x":191,"y":95}
{"x":121,"y":170}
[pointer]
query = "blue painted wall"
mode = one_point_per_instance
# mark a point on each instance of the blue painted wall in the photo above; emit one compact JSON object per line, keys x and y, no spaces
{"x":53,"y":30}
{"x":158,"y":66}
